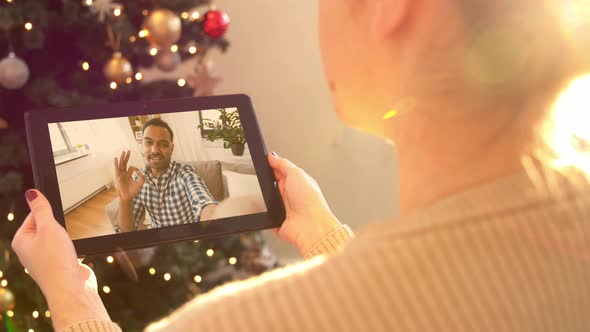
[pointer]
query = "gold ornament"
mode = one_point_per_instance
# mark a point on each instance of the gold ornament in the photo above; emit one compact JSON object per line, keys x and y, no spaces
{"x":163,"y":26}
{"x":6,"y":299}
{"x":118,"y":69}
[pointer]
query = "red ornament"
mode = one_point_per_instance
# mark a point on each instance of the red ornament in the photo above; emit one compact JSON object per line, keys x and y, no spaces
{"x":215,"y":23}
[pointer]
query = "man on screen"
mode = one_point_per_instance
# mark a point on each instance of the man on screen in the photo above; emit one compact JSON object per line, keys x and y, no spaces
{"x":171,"y":192}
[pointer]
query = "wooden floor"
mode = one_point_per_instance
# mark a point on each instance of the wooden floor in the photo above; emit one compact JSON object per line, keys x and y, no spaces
{"x":90,"y":219}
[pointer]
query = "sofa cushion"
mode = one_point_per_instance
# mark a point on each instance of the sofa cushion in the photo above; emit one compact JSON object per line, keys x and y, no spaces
{"x":210,"y":172}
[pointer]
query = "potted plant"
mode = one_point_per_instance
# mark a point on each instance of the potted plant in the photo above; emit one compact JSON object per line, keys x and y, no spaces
{"x":229,"y":129}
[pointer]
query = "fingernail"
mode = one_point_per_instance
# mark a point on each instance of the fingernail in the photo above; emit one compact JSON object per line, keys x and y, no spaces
{"x":275,"y":154}
{"x":31,"y":195}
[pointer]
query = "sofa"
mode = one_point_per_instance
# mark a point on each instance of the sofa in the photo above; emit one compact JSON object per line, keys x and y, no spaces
{"x":211,"y":173}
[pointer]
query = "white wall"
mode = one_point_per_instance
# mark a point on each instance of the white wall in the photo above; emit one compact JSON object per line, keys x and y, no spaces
{"x":274,"y":58}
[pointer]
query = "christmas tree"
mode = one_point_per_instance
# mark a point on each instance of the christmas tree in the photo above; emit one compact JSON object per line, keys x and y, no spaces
{"x":76,"y":52}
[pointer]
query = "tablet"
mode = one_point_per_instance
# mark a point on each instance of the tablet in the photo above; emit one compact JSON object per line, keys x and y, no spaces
{"x":138,"y":174}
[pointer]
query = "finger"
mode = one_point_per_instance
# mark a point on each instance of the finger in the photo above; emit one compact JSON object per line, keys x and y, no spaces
{"x":117,"y":171}
{"x":124,"y":161}
{"x":127,"y":156}
{"x":282,"y":165}
{"x":121,"y":160}
{"x":40,"y":208}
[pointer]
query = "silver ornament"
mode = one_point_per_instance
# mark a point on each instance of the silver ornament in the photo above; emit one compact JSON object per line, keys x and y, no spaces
{"x":167,"y":60}
{"x":14,"y":72}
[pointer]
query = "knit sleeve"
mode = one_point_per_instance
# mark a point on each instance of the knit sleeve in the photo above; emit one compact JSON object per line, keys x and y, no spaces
{"x":331,"y":243}
{"x":91,"y":326}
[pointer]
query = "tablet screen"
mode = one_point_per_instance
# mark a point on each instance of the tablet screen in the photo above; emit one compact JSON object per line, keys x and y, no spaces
{"x":133,"y":173}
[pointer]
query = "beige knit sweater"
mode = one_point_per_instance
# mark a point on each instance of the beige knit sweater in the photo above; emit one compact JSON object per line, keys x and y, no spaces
{"x":501,"y":257}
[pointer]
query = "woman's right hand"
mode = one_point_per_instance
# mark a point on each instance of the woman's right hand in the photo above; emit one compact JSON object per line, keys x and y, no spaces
{"x":126,"y":186}
{"x":309,"y":218}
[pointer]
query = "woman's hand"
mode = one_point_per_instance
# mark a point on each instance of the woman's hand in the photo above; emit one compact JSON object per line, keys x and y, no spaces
{"x":47,"y":252}
{"x":309,"y":218}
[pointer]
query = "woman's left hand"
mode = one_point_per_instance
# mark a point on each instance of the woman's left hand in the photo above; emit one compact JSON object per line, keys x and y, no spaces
{"x":47,"y":252}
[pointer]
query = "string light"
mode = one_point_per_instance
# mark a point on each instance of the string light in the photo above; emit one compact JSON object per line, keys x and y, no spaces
{"x":9,"y":1}
{"x":132,"y":39}
{"x":167,"y":276}
{"x":106,"y":289}
{"x":153,"y":51}
{"x":198,"y":279}
{"x":110,"y":259}
{"x":113,"y":85}
{"x":192,"y":49}
{"x":184,"y":15}
{"x":88,"y":2}
{"x":196,"y":241}
{"x":1,"y":274}
{"x":47,"y":313}
{"x":138,"y":76}
{"x":145,"y":12}
{"x":10,"y":313}
{"x":195,"y":15}
{"x":152,"y":271}
{"x":31,"y":330}
{"x":28,"y":26}
{"x":10,"y":216}
{"x":35,"y":314}
{"x":181,"y":82}
{"x":232,"y":260}
{"x":143,"y":33}
{"x":174,"y":48}
{"x":85,"y":65}
{"x":128,"y":80}
{"x":117,"y":11}
{"x":210,"y":252}
{"x":4,"y":283}
{"x":26,"y":271}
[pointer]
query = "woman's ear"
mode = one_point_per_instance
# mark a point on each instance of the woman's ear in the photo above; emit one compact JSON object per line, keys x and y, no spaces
{"x":387,"y":16}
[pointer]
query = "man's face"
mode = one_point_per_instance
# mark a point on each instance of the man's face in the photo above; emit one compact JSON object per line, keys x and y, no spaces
{"x":158,"y":147}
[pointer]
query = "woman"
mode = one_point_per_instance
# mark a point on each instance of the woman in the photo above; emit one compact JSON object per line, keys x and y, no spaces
{"x":493,"y":231}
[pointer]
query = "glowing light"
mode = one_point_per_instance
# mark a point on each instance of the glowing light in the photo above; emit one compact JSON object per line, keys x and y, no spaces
{"x":9,"y":1}
{"x":1,"y":274}
{"x":184,"y":15}
{"x":198,"y":278}
{"x":145,"y":12}
{"x":569,"y":132}
{"x":210,"y":252}
{"x":28,"y":25}
{"x":110,"y":259}
{"x":174,"y":48}
{"x":26,"y":271}
{"x":10,"y":216}
{"x":10,"y":313}
{"x":113,"y":85}
{"x":4,"y":283}
{"x":152,"y":271}
{"x":132,"y":39}
{"x":232,"y":260}
{"x":192,"y":49}
{"x":390,"y":114}
{"x":31,"y":330}
{"x":47,"y":314}
{"x":117,"y":11}
{"x":88,"y":2}
{"x":143,"y":33}
{"x":195,"y":15}
{"x":35,"y":314}
{"x":138,"y":76}
{"x":128,"y":80}
{"x":167,"y":276}
{"x":181,"y":82}
{"x":85,"y":65}
{"x":106,"y":289}
{"x":196,"y":241}
{"x":153,"y":51}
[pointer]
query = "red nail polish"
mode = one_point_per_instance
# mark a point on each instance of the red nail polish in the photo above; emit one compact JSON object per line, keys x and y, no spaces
{"x":30,"y":195}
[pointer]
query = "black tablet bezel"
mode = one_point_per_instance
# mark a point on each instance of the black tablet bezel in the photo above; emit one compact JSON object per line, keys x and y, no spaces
{"x":44,"y":171}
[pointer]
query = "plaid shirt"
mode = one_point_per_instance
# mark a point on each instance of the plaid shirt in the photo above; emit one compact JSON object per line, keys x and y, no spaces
{"x":177,"y":196}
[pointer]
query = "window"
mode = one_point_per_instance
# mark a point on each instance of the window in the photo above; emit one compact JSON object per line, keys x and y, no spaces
{"x":60,"y":144}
